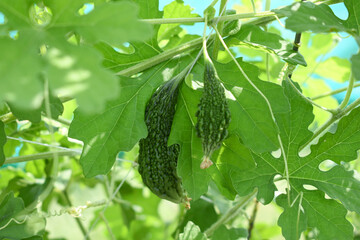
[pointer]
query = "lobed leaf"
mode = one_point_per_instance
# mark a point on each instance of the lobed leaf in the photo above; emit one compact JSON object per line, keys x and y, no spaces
{"x":71,"y":69}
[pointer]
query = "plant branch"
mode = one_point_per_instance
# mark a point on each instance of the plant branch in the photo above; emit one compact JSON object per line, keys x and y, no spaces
{"x":348,"y":92}
{"x":320,"y":130}
{"x":334,"y":92}
{"x":229,"y":214}
{"x":252,"y":219}
{"x":220,"y":27}
{"x":201,"y":19}
{"x":42,"y":155}
{"x":332,"y":111}
{"x":164,"y":56}
{"x":265,"y":18}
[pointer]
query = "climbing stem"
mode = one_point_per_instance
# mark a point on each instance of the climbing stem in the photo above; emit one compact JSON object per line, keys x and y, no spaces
{"x":220,"y":27}
{"x":161,"y":57}
{"x":332,"y":111}
{"x":334,"y":92}
{"x":348,"y":92}
{"x":43,"y":155}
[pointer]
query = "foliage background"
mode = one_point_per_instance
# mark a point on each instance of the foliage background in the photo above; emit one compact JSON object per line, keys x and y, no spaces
{"x":137,"y":213}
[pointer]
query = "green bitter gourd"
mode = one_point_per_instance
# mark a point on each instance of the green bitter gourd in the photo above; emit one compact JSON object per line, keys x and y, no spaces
{"x":158,"y":161}
{"x":213,"y":115}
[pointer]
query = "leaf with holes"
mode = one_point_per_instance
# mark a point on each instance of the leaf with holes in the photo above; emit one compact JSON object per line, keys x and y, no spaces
{"x":337,"y":183}
{"x":251,"y":118}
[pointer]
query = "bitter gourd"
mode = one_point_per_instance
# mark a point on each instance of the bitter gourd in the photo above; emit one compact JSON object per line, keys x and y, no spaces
{"x":158,"y":161}
{"x":213,"y":115}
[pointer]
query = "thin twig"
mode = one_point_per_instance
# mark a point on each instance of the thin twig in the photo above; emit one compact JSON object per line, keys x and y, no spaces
{"x":43,"y":155}
{"x":252,"y":219}
{"x":334,"y":92}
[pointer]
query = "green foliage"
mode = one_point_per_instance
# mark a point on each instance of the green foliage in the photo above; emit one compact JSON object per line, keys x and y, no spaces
{"x":18,"y":225}
{"x":71,"y":70}
{"x":78,"y":170}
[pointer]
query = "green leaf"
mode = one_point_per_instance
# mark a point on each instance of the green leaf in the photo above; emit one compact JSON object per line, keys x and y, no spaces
{"x":336,"y":183}
{"x":28,"y":226}
{"x":175,"y":9}
{"x":340,"y":146}
{"x":73,"y":70}
{"x":192,"y":232}
{"x":77,"y":71}
{"x":121,"y":125}
{"x":307,"y":16}
{"x":20,"y":87}
{"x":99,"y":24}
{"x":232,"y":233}
{"x":17,"y":13}
{"x":252,"y":36}
{"x":149,"y":9}
{"x":194,"y":180}
{"x":202,"y":213}
{"x":292,"y":220}
{"x":2,"y":143}
{"x":250,"y":116}
{"x":355,"y":62}
{"x":325,"y":215}
{"x":353,"y":21}
{"x":34,"y":115}
{"x":56,"y":106}
{"x":231,"y":154}
{"x":117,"y":61}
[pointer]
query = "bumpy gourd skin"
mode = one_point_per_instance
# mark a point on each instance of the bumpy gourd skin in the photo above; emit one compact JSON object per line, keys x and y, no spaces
{"x":157,"y":160}
{"x":213,"y":115}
